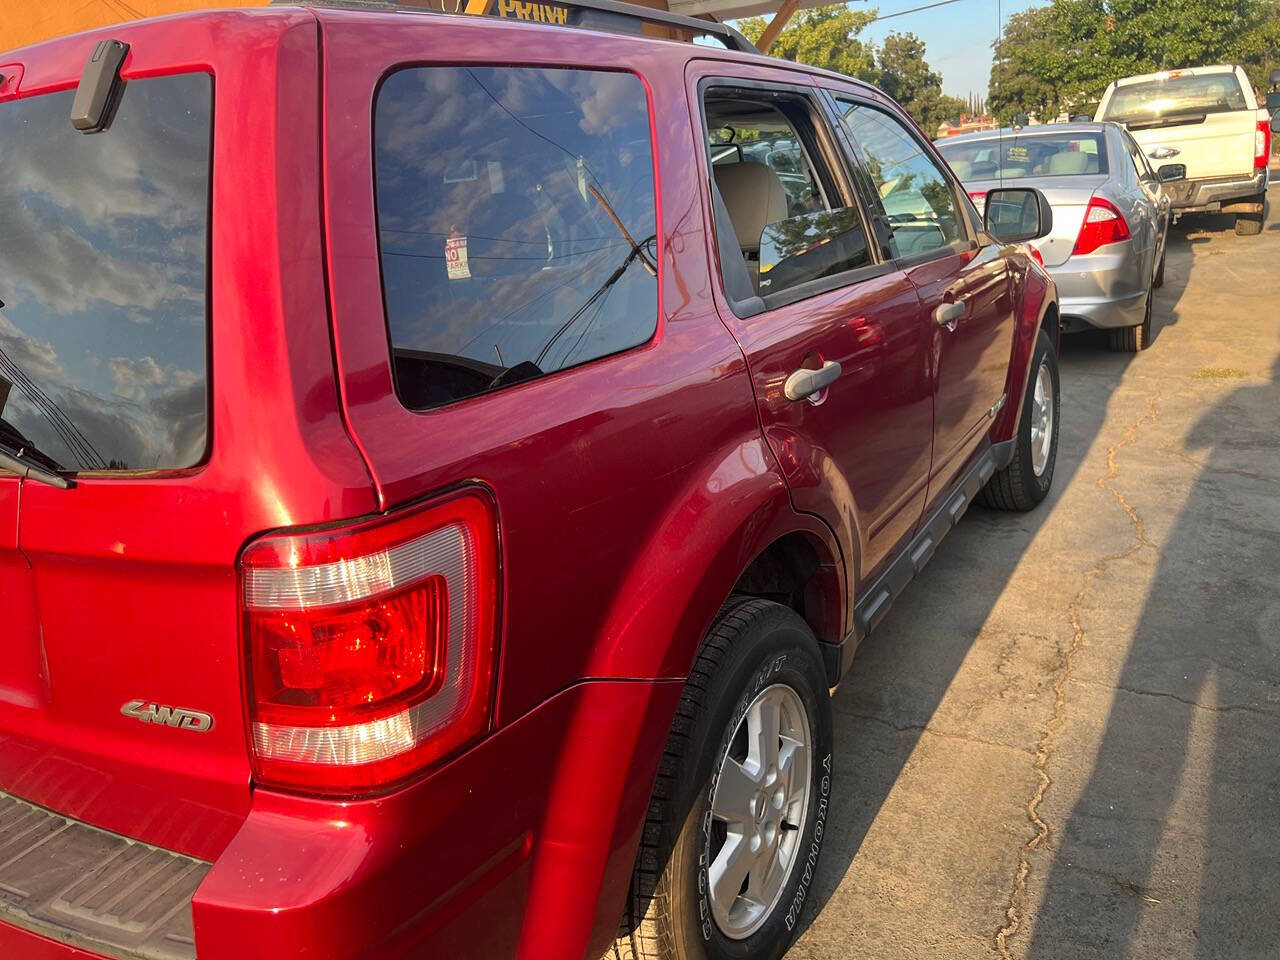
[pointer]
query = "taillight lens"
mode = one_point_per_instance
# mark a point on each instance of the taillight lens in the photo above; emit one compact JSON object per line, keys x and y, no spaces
{"x":1103,"y":224}
{"x":1262,"y":145}
{"x":370,"y":646}
{"x":1037,"y":256}
{"x":979,"y":198}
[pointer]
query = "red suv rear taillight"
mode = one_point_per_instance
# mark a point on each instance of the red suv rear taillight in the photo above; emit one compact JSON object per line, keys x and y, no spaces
{"x":1103,"y":224}
{"x":1262,"y":145}
{"x":371,"y":645}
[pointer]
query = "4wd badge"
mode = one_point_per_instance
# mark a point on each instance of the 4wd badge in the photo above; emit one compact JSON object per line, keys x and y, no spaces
{"x":147,"y":712}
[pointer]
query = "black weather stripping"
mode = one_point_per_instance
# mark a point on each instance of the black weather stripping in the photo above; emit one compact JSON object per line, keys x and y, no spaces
{"x":99,"y":88}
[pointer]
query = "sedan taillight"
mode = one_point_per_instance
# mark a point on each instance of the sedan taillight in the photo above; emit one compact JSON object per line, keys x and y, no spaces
{"x":1262,"y":145}
{"x":370,"y":646}
{"x":1103,"y":224}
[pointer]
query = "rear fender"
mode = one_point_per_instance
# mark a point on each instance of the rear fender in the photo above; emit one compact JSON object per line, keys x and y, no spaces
{"x":1037,"y":300}
{"x":724,"y":517}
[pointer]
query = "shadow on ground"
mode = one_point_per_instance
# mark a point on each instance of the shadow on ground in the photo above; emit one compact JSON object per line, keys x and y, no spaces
{"x":902,"y":672}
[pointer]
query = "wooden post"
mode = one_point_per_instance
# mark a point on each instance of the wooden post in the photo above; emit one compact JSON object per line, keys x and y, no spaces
{"x":780,"y":19}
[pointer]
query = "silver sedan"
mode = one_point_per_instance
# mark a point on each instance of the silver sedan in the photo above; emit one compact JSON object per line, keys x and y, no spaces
{"x":1110,"y":216}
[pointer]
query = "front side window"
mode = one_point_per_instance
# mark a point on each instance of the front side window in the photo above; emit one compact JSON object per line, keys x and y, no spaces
{"x":790,"y":226}
{"x":915,"y":194}
{"x":516,"y":223}
{"x":103,"y":260}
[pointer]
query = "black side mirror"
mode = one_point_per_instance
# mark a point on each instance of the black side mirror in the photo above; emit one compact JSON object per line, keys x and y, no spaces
{"x":1017,"y":214}
{"x":1275,"y":122}
{"x":1172,"y":172}
{"x":1275,"y":77}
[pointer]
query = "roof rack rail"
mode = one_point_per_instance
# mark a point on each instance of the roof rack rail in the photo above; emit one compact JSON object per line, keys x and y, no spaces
{"x":730,"y":37}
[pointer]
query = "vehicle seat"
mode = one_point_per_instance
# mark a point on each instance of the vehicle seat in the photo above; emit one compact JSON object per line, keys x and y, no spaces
{"x":962,"y":169}
{"x":1065,"y":164}
{"x":754,"y":197}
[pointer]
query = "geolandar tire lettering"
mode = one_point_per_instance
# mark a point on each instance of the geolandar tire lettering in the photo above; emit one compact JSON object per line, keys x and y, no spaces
{"x":739,"y":811}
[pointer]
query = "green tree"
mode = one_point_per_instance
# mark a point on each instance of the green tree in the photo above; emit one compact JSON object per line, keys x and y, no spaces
{"x":1063,"y":55}
{"x":903,"y":73}
{"x":824,"y":37}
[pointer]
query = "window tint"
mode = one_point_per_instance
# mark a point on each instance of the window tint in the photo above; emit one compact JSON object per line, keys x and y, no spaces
{"x":103,"y":243}
{"x":779,"y":198}
{"x":1140,"y":166}
{"x":916,"y":197}
{"x":516,"y":222}
{"x":1021,"y":155}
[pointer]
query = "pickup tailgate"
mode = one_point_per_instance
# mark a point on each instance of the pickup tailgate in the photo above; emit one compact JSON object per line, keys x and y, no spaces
{"x":1211,"y":145}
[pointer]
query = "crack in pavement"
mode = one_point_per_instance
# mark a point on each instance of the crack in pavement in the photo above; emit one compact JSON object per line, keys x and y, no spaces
{"x":1013,"y":913}
{"x":1227,"y":708}
{"x":929,"y":729}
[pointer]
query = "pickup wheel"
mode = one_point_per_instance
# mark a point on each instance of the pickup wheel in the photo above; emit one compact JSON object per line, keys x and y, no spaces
{"x":1027,"y":479}
{"x":1248,"y":224}
{"x":738,"y":811}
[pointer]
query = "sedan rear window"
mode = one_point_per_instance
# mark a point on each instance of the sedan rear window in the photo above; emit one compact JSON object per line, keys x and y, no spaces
{"x":103,"y":242}
{"x":1037,"y":155}
{"x":1175,"y":96}
{"x":516,"y":221}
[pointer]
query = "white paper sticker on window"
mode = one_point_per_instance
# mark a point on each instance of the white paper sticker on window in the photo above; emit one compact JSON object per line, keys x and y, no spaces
{"x":455,"y":258}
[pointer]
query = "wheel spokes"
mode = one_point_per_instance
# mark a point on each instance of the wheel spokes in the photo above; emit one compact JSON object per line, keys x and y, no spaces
{"x":734,"y":791}
{"x":729,"y":870}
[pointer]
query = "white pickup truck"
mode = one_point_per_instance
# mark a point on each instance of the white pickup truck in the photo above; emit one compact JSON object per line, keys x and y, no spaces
{"x":1207,"y":120}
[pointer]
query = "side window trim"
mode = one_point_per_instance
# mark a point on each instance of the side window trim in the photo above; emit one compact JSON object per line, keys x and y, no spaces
{"x":972,"y":229}
{"x":733,"y":270}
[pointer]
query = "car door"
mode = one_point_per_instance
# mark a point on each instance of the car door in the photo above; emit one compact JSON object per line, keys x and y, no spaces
{"x":927,"y":225}
{"x":1149,"y":204}
{"x":833,"y":335}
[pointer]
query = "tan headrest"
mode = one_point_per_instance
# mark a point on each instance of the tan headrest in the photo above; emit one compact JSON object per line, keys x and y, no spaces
{"x":754,"y":197}
{"x":1068,"y":163}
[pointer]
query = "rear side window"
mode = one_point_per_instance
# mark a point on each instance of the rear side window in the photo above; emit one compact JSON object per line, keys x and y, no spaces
{"x":516,"y":224}
{"x":103,"y":247}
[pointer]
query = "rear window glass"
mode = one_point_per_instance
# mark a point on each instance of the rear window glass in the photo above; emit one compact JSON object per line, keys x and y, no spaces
{"x":1175,"y":96}
{"x":516,"y":224}
{"x":1041,"y":155}
{"x":103,"y":242}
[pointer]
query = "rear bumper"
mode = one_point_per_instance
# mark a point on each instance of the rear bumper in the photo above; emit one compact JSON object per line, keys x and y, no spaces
{"x":1104,"y":289}
{"x":521,"y":847}
{"x":1210,"y":194}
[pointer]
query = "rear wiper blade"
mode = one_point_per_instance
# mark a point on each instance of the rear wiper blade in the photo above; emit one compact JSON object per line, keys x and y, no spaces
{"x":26,"y":466}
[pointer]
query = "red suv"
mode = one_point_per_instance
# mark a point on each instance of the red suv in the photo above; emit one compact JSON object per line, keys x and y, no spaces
{"x":449,"y":461}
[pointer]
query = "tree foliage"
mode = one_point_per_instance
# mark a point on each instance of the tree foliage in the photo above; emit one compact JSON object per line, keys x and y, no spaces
{"x":827,"y":37}
{"x":1063,"y":55}
{"x":822,"y":37}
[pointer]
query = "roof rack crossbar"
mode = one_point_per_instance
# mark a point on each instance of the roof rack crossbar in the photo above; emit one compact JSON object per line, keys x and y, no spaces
{"x":730,"y":37}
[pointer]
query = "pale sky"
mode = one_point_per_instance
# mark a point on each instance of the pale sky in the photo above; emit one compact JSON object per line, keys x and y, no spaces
{"x":957,"y":36}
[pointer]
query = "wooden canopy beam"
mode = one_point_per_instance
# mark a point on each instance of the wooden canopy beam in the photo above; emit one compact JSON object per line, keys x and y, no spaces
{"x":780,"y":20}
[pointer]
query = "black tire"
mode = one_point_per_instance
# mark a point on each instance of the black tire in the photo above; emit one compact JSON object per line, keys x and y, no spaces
{"x":1134,"y":339}
{"x":753,"y":645}
{"x":1250,"y":224}
{"x":1018,"y":486}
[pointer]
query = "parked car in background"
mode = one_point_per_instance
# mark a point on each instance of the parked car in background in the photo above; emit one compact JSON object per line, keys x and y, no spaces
{"x":1208,"y":121}
{"x":1110,"y":216}
{"x":436,"y":501}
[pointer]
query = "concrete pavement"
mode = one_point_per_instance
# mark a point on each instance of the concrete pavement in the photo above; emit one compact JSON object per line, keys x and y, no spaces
{"x":1064,"y":742}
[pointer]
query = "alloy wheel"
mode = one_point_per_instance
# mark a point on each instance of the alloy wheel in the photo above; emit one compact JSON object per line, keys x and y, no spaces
{"x":758,"y":811}
{"x":1041,"y":420}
